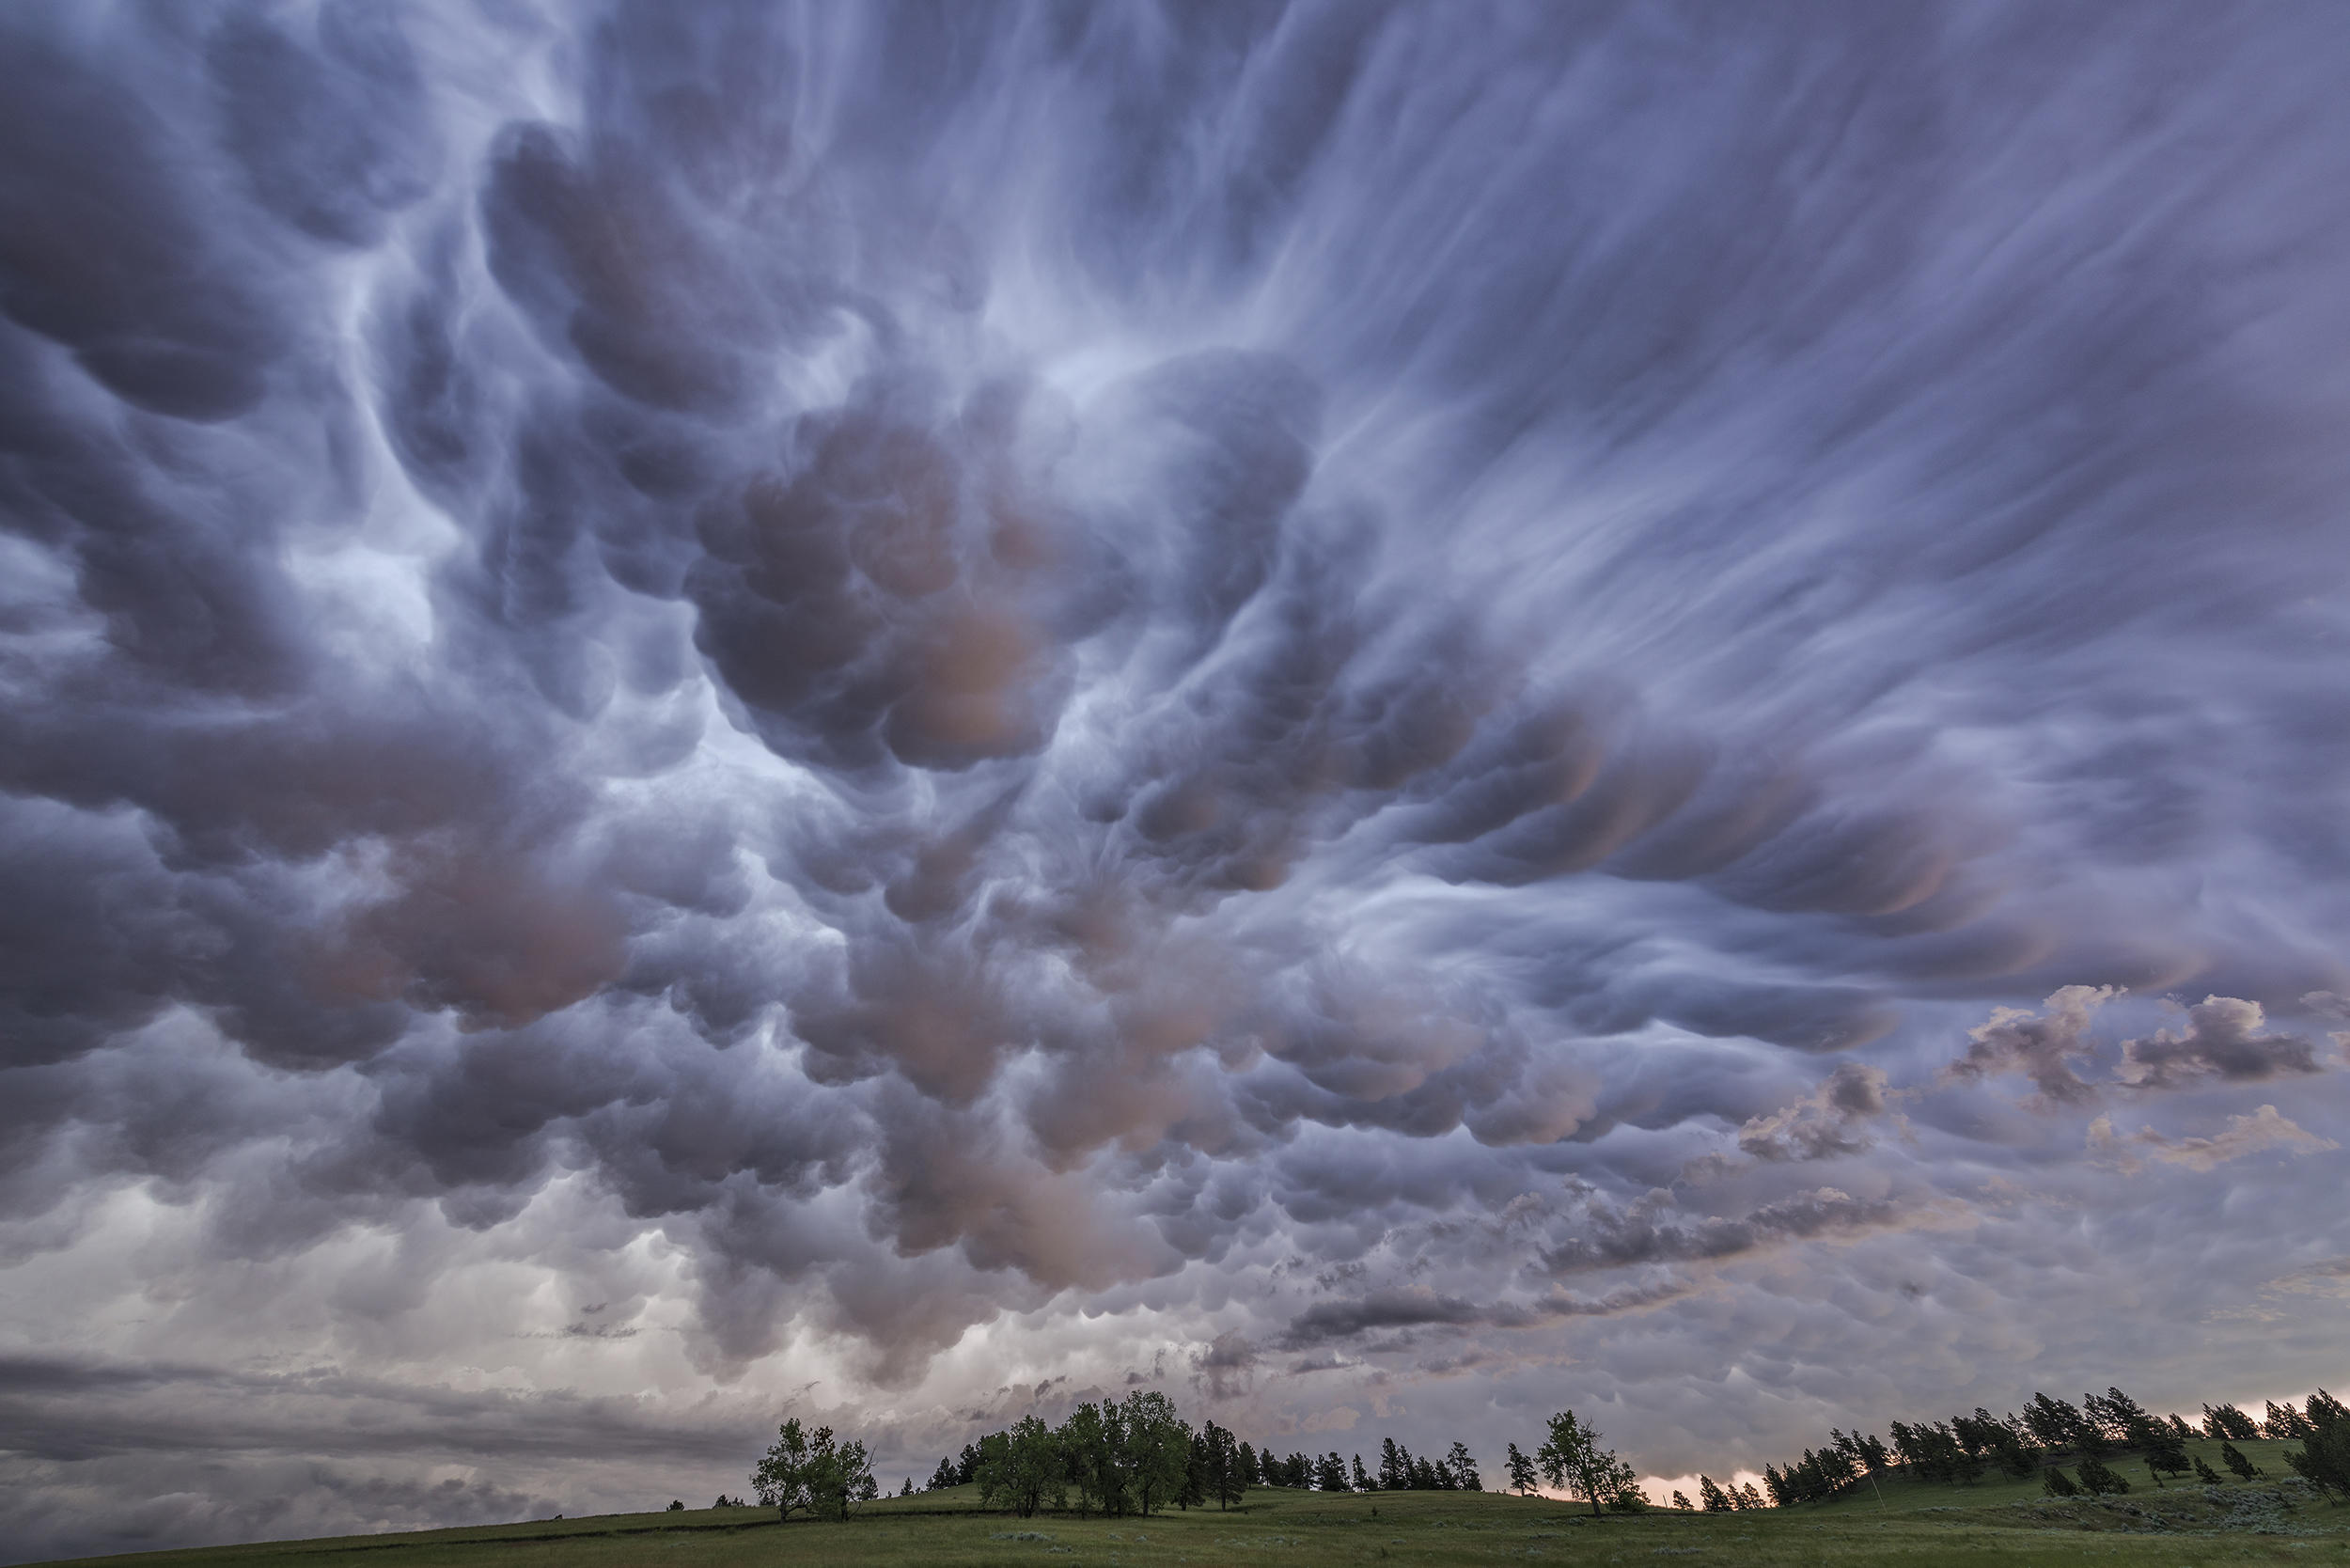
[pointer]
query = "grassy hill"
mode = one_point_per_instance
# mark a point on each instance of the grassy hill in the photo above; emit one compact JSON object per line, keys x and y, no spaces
{"x":1918,"y":1525}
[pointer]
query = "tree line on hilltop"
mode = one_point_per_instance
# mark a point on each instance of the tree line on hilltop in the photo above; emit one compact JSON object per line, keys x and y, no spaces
{"x":1136,"y":1456}
{"x":2047,"y":1431}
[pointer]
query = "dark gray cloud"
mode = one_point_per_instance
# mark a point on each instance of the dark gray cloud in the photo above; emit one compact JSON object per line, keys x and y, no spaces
{"x":941,"y":705}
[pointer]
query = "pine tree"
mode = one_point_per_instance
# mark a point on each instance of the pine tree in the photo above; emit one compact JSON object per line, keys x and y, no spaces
{"x":1713,"y":1497}
{"x":2227,"y":1421}
{"x":1393,"y":1476}
{"x":2234,"y":1458}
{"x":2284,"y":1421}
{"x":1360,"y":1477}
{"x":1330,"y":1474}
{"x":1521,"y":1475}
{"x":1749,"y":1498}
{"x":2057,"y":1484}
{"x":2204,"y":1473}
{"x":1462,"y":1469}
{"x":2054,"y":1424}
{"x":2324,"y":1461}
{"x":1681,"y":1502}
{"x":2098,"y":1478}
{"x":943,"y":1477}
{"x":1194,"y":1487}
{"x":2165,"y":1453}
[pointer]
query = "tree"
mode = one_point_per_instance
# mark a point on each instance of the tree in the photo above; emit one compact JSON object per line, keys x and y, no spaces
{"x":2226,"y":1421}
{"x":2057,"y":1484}
{"x":2163,"y":1452}
{"x":907,"y":1490}
{"x":2099,"y":1479}
{"x":2118,"y":1418}
{"x":1573,"y":1460}
{"x":1088,"y":1446}
{"x":2054,"y":1424}
{"x":967,"y":1465}
{"x":2284,"y":1421}
{"x":1713,"y":1497}
{"x":1195,"y":1474}
{"x":1248,"y":1465}
{"x":813,"y":1472}
{"x":1023,"y":1469}
{"x":2234,"y":1458}
{"x":1157,"y":1447}
{"x":943,"y":1477}
{"x":1747,"y":1497}
{"x":1462,"y":1469}
{"x":2206,"y":1474}
{"x":1360,"y":1477}
{"x":2324,"y":1459}
{"x":1330,"y":1474}
{"x":781,"y":1479}
{"x":675,"y":1506}
{"x":1522,"y":1477}
{"x":1223,"y":1468}
{"x":1394,"y":1471}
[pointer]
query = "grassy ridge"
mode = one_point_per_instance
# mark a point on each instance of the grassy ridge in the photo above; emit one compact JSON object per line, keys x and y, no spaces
{"x":1916,"y":1523}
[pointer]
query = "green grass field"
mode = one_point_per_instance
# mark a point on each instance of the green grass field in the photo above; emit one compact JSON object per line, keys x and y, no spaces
{"x":1914,"y":1524}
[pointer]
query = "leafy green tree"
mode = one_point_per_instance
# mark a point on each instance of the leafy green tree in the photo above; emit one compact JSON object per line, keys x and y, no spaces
{"x":781,"y":1479}
{"x":1521,"y":1475}
{"x":1157,"y":1447}
{"x":2057,"y":1484}
{"x":2234,"y":1458}
{"x":1092,"y":1441}
{"x":1573,"y":1460}
{"x":1024,"y":1469}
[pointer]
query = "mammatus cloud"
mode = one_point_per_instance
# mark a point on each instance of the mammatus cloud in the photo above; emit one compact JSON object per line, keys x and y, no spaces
{"x":2223,"y":1039}
{"x":951,"y":708}
{"x":2047,"y":1046}
{"x":1833,"y":1119}
{"x":2262,"y":1131}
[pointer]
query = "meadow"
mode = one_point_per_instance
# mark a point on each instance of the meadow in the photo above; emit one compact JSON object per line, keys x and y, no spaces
{"x":1915,"y":1524}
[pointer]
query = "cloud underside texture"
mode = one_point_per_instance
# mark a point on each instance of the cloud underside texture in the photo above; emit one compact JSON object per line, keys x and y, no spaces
{"x":1296,"y":672}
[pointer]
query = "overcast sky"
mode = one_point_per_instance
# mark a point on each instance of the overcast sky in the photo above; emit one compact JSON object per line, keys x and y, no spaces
{"x":1391,"y":716}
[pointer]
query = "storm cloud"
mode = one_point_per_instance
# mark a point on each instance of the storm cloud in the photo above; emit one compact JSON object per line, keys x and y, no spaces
{"x":906,"y":709}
